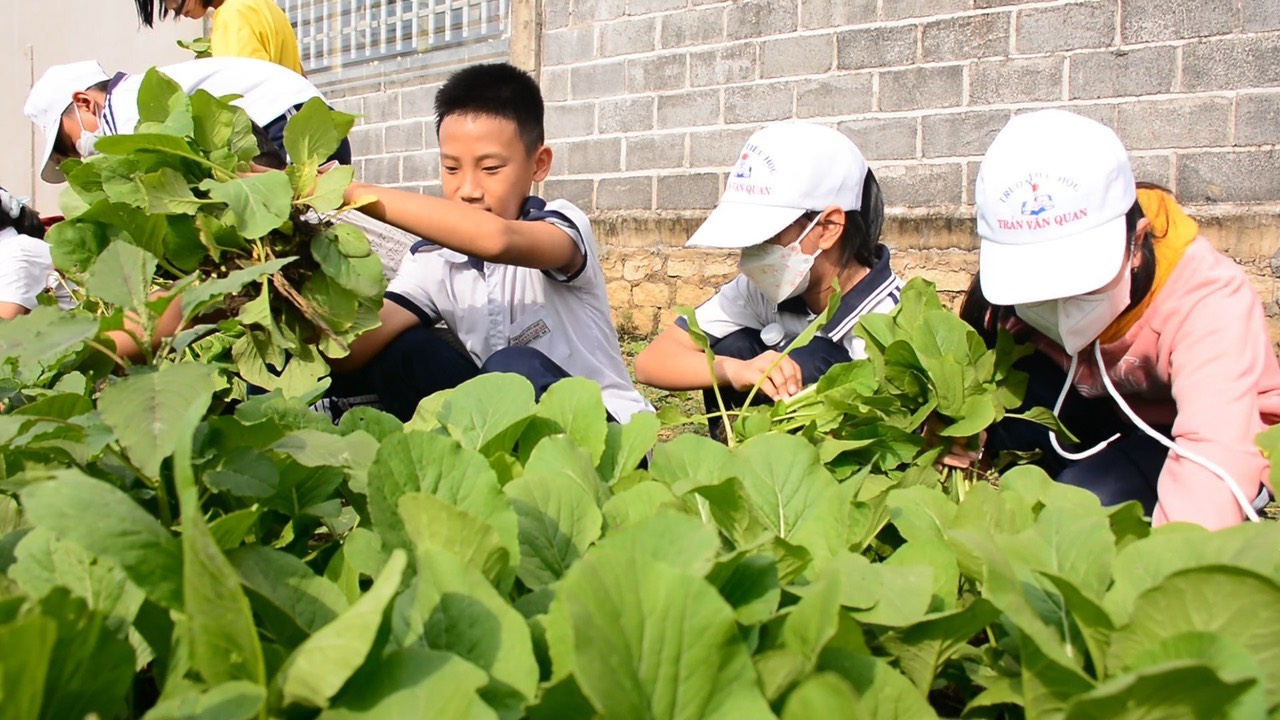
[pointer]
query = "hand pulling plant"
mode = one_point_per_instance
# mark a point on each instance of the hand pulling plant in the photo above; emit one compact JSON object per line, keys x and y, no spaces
{"x":928,"y":381}
{"x":167,"y":555}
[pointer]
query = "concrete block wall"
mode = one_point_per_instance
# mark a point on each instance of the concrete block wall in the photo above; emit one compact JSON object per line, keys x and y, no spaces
{"x":649,"y":273}
{"x":649,"y":100}
{"x":394,"y":139}
{"x":676,"y":86}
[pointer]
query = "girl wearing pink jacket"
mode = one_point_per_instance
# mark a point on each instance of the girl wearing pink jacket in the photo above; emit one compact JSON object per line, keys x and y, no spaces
{"x":1153,"y":346}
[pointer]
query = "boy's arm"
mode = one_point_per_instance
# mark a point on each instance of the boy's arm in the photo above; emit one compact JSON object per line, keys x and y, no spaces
{"x":395,"y":320}
{"x":11,"y":310}
{"x":473,"y":231}
{"x":168,"y":325}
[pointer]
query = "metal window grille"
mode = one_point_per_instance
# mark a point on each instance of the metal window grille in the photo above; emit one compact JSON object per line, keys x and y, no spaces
{"x":334,"y":33}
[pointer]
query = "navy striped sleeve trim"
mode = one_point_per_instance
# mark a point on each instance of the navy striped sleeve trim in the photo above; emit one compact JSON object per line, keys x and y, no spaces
{"x":420,"y":245}
{"x":559,"y":217}
{"x":423,"y":316}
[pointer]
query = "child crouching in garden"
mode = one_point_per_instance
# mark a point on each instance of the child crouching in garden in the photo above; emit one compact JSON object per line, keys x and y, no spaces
{"x":26,"y":267}
{"x":806,"y":213}
{"x":1152,"y":346}
{"x":515,"y":278}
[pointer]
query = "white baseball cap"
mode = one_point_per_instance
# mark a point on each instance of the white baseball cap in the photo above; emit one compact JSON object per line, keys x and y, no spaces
{"x":1052,"y":194}
{"x":49,"y":98}
{"x":783,"y":171}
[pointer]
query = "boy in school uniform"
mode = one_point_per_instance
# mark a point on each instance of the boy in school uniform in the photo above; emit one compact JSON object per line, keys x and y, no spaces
{"x":514,"y":277}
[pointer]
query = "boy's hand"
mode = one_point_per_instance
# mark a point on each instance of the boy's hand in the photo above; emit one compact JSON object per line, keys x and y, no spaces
{"x":784,"y":381}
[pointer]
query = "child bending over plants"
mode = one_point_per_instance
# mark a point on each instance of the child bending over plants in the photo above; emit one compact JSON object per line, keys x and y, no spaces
{"x":1151,"y":345}
{"x":515,"y":278}
{"x":77,"y":104}
{"x":806,"y":212}
{"x":26,"y":267}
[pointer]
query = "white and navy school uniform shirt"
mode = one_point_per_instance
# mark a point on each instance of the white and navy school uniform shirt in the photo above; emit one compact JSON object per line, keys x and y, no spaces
{"x":491,"y":306}
{"x":26,"y":270}
{"x":740,"y":304}
{"x":266,"y":90}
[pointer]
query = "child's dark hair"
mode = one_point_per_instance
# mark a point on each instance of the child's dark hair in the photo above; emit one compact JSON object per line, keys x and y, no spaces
{"x":1145,"y":274}
{"x":269,"y":155}
{"x":149,"y":10}
{"x":27,"y":222}
{"x":496,"y":90}
{"x":862,"y":227}
{"x":984,"y":317}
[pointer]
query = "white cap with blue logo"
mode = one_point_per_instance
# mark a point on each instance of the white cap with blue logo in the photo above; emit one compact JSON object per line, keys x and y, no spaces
{"x":1052,"y":194}
{"x":783,"y":171}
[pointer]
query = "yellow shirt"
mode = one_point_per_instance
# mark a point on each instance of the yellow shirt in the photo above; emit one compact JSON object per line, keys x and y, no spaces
{"x":255,"y":29}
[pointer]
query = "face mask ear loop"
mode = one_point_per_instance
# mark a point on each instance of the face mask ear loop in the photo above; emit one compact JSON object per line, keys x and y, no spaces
{"x":808,"y":229}
{"x":1057,"y":407}
{"x":1203,"y":462}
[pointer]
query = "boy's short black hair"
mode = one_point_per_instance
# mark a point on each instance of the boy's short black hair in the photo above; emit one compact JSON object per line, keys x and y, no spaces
{"x":497,"y":90}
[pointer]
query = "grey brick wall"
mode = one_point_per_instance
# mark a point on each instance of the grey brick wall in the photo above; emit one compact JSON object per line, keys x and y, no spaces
{"x":394,"y":139}
{"x":648,"y":100}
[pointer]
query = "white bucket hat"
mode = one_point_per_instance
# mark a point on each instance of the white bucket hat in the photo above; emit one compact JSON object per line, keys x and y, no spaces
{"x":1052,"y":194}
{"x":783,"y":171}
{"x":49,"y":99}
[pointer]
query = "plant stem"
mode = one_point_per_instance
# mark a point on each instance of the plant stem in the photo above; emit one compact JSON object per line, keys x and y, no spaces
{"x":715,"y":388}
{"x":103,"y":349}
{"x":156,"y":484}
{"x":162,"y":499}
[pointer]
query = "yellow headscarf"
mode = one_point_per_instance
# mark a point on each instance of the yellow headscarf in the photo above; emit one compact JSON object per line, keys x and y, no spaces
{"x":1173,"y":231}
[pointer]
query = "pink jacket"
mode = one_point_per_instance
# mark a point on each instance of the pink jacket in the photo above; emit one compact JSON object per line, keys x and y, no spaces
{"x":1200,"y":358}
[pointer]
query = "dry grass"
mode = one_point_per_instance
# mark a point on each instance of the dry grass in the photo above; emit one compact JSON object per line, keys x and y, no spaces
{"x":688,"y":403}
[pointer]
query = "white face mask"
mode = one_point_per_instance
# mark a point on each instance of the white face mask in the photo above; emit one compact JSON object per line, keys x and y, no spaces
{"x":1043,"y":316}
{"x":780,"y":272}
{"x":1077,"y":321}
{"x":1084,"y":317}
{"x":88,"y":138}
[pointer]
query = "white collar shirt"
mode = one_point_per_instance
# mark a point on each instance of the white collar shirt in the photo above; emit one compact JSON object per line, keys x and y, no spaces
{"x":266,"y":90}
{"x":26,"y":270}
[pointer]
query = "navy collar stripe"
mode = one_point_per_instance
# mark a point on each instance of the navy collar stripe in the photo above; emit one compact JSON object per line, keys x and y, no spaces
{"x":887,"y":290}
{"x":868,"y":291}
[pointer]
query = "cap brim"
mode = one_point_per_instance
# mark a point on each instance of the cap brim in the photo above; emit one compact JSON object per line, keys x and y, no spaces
{"x":734,"y":225}
{"x":1064,"y":267}
{"x":49,"y":172}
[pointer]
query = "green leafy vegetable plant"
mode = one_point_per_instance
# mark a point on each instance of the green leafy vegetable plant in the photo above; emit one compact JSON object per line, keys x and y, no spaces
{"x":172,"y":551}
{"x":252,"y":256}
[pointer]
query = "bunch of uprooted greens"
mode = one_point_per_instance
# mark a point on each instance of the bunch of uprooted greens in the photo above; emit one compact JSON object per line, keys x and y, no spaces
{"x":178,"y":213}
{"x":929,"y":384}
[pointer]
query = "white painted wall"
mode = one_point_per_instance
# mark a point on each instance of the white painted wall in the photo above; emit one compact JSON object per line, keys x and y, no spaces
{"x":38,"y":33}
